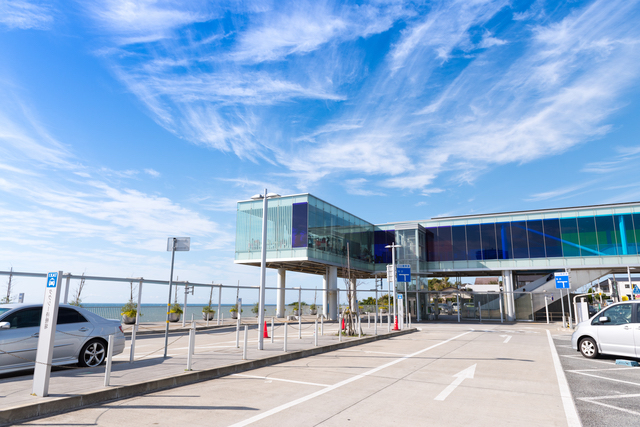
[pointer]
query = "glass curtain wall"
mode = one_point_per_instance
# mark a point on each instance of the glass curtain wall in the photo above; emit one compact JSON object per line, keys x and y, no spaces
{"x":584,"y":236}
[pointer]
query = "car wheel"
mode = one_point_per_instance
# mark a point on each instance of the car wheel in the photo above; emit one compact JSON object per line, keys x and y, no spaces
{"x":588,"y":348}
{"x":93,"y":353}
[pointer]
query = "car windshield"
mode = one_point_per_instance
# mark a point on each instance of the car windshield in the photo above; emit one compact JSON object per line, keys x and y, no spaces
{"x":3,"y":310}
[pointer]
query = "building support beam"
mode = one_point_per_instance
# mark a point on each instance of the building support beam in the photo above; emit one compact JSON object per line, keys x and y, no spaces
{"x":282,"y":278}
{"x":508,"y":290}
{"x":325,"y":293}
{"x":332,"y":282}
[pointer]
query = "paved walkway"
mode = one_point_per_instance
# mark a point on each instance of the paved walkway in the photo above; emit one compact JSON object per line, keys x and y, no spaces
{"x":214,"y":348}
{"x":447,"y":374}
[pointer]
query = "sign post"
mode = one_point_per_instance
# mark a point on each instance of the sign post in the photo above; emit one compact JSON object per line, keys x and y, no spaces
{"x":173,"y":244}
{"x":404,"y":275}
{"x":562,"y":282}
{"x":46,"y":337}
{"x":401,"y":311}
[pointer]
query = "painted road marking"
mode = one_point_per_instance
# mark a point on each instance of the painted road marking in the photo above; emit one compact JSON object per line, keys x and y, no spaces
{"x":506,"y":340}
{"x":604,"y":378}
{"x":337,"y":385}
{"x":280,"y":379}
{"x":565,"y":394}
{"x":595,"y":400}
{"x":460,"y":376}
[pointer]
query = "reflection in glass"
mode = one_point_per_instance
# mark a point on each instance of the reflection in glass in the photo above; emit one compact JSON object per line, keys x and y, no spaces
{"x":488,"y":237}
{"x":519,"y":239}
{"x":588,"y":238}
{"x":552,"y":239}
{"x":474,"y":246}
{"x":570,"y":240}
{"x":606,"y":233}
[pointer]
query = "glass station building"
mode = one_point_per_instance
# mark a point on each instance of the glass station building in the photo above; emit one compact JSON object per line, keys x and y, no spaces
{"x":309,"y":235}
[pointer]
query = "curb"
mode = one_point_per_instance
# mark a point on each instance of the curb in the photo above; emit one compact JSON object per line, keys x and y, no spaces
{"x":70,"y":403}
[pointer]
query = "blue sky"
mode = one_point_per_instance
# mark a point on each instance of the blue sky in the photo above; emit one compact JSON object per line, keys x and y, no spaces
{"x":124,"y":122}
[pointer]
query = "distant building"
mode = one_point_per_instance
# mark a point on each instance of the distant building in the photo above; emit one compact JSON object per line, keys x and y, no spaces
{"x":485,"y":284}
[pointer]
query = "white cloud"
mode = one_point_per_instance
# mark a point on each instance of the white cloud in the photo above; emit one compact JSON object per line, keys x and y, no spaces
{"x":152,"y":172}
{"x":357,"y":187}
{"x":20,"y":14}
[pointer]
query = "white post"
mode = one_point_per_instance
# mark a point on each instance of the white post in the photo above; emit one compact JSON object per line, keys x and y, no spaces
{"x":562,"y":305}
{"x":375,"y":315}
{"x":244,"y":346}
{"x":238,"y":332}
{"x":325,"y":293}
{"x":285,"y":336}
{"x":192,"y":338}
{"x":46,"y":334}
{"x":219,"y":302}
{"x":368,"y":320}
{"x":66,"y":288}
{"x":263,"y":272}
{"x":107,"y":370}
{"x":546,"y":307}
{"x":315,"y":333}
{"x":184,"y":307}
{"x":299,"y":313}
{"x":501,"y":314}
{"x":322,"y":325}
{"x":280,"y":292}
{"x":569,"y":299}
{"x":135,"y":327}
{"x":272,"y":330}
{"x":457,"y":303}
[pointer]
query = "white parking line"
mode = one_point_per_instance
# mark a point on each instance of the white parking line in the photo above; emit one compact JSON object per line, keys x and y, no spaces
{"x":604,"y":378}
{"x":280,"y":379}
{"x":601,"y":369}
{"x":337,"y":385}
{"x":590,"y":400}
{"x":588,"y":360}
{"x":565,"y":393}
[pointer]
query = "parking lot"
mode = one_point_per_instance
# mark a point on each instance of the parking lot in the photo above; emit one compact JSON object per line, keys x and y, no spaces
{"x":605,"y":394}
{"x":481,"y":375}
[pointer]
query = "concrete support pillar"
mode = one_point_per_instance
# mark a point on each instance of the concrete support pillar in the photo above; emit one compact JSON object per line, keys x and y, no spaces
{"x":332,"y":283}
{"x":508,"y":289}
{"x":325,"y":293}
{"x":282,"y":278}
{"x":354,"y":296}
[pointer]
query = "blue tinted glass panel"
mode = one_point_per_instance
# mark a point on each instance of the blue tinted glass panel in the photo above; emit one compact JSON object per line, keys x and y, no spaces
{"x":444,"y":248}
{"x":627,"y":242}
{"x":588,"y":239}
{"x":569,"y":233}
{"x":552,"y":240}
{"x":382,"y":239}
{"x":474,"y":247}
{"x":503,"y":238}
{"x":607,"y":240}
{"x":519,"y":239}
{"x":459,"y":240}
{"x":488,"y":236}
{"x":299,"y":225}
{"x":431,"y":238}
{"x":636,"y":228}
{"x":536,"y":239}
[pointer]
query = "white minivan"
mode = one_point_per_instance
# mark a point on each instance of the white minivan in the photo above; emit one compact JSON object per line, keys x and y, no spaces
{"x":615,"y":331}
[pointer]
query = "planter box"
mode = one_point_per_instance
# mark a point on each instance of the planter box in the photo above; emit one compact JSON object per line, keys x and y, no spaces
{"x":208,"y":316}
{"x":174,"y":317}
{"x":313,"y":312}
{"x":128,"y":320}
{"x":234,"y":314}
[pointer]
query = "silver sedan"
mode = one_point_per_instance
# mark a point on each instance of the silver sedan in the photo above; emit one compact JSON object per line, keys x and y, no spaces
{"x":81,"y":336}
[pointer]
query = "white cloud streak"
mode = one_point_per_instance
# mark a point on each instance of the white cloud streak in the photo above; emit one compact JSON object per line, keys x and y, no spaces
{"x":23,"y":15}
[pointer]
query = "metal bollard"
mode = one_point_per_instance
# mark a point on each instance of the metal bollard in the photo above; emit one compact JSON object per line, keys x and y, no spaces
{"x":300,"y":324}
{"x":322,"y":325}
{"x":107,"y":370}
{"x":272,"y":330}
{"x":285,"y":336}
{"x":244,"y":346}
{"x":389,"y":322}
{"x":222,"y":318}
{"x":238,"y":334}
{"x":133,"y":342}
{"x":359,"y":327}
{"x":190,"y":348}
{"x":315,"y":333}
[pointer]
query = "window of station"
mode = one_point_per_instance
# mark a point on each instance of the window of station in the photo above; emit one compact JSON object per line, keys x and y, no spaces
{"x":601,"y":235}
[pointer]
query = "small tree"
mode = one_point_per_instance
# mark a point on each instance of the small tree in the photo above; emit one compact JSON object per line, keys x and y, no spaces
{"x":8,"y":299}
{"x":76,"y":300}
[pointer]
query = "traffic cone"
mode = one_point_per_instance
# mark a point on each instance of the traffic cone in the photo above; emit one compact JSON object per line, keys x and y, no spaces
{"x":266,"y":333}
{"x":395,"y":324}
{"x":343,"y":323}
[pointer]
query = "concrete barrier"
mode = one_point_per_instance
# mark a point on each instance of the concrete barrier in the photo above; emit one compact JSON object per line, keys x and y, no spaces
{"x":70,"y":403}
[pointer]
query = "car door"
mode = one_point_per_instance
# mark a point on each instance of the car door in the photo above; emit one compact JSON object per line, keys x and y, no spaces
{"x":20,"y":342}
{"x":616,"y":335}
{"x":71,"y":332}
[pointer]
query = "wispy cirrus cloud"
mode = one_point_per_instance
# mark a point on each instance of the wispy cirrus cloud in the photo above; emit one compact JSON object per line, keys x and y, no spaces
{"x":23,"y":15}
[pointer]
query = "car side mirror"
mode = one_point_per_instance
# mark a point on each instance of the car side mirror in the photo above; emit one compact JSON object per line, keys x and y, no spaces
{"x":5,"y":325}
{"x":603,"y":319}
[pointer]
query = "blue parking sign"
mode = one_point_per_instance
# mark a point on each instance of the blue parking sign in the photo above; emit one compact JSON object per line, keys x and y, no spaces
{"x":52,"y":280}
{"x":404,"y":272}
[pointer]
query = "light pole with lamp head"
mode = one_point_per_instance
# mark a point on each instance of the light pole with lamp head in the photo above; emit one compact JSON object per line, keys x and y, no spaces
{"x":263,"y":264}
{"x":395,"y":278}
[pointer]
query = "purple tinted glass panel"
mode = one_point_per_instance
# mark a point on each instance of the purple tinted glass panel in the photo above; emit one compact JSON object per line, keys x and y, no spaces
{"x":383,"y":238}
{"x":299,"y":225}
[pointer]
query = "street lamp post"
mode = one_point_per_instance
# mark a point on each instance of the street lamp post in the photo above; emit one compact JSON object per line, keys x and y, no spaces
{"x":395,"y":278}
{"x":263,"y":264}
